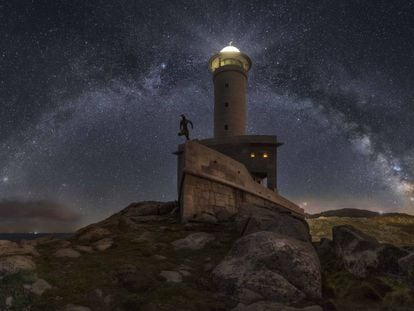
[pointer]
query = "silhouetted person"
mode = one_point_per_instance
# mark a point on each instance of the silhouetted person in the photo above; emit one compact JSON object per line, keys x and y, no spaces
{"x":184,"y":127}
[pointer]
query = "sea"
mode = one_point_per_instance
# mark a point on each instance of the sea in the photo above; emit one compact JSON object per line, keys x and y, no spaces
{"x":17,"y":237}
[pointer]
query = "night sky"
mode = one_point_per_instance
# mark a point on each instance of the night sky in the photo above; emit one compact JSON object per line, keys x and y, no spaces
{"x":91,"y":93}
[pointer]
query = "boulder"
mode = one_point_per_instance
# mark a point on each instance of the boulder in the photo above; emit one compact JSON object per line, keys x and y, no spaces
{"x":193,"y":241}
{"x":406,"y":264}
{"x":272,"y":306}
{"x":15,"y":264}
{"x":39,"y":287}
{"x":67,"y":252}
{"x":149,"y":208}
{"x":9,"y":302}
{"x":72,"y":307}
{"x":325,"y":248}
{"x":172,"y":276}
{"x":92,"y":233}
{"x":9,"y":248}
{"x":205,"y":218}
{"x":362,"y":254}
{"x":270,"y":267}
{"x":254,"y":219}
{"x":84,"y":248}
{"x":103,"y":244}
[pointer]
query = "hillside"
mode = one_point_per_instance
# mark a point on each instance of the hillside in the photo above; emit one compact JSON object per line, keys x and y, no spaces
{"x":391,"y":228}
{"x":144,"y":258}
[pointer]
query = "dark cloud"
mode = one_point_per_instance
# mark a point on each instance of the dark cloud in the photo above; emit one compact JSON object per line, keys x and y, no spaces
{"x":40,"y":216}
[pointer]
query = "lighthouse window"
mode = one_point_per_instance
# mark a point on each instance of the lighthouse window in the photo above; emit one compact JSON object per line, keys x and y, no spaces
{"x":226,"y":104}
{"x":226,"y":85}
{"x":226,"y":127}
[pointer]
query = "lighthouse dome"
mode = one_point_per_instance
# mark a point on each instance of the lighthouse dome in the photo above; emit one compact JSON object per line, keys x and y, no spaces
{"x":231,"y":49}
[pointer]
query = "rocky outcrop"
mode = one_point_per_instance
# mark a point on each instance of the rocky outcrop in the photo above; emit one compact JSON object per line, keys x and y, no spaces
{"x":15,"y":264}
{"x":148,"y":208}
{"x":16,"y":257}
{"x":147,"y":250}
{"x":271,"y":306}
{"x":8,"y":248}
{"x":39,"y":287}
{"x":194,"y":241}
{"x":67,"y":252}
{"x":363,"y":255}
{"x":103,"y":244}
{"x":252,"y":219}
{"x":273,"y":262}
{"x":267,"y":266}
{"x":325,"y":248}
{"x":72,"y":307}
{"x":172,"y":276}
{"x":407,"y":264}
{"x":92,"y":233}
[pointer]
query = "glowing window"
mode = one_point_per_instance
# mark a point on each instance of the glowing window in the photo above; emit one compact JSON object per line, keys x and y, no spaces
{"x":265,"y":155}
{"x":252,"y":155}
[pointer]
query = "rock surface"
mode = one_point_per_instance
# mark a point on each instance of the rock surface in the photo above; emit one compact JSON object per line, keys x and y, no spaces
{"x":194,"y":241}
{"x":84,"y":248}
{"x":325,"y":247}
{"x":15,"y":264}
{"x":362,"y":254}
{"x":8,"y":248}
{"x":67,"y":252}
{"x":71,"y":307}
{"x":273,"y":267}
{"x":9,"y":301}
{"x":39,"y":287}
{"x":271,"y":306}
{"x":92,"y":233}
{"x":253,"y":219}
{"x":255,"y":260}
{"x":172,"y":276}
{"x":407,"y":264}
{"x":103,"y":244}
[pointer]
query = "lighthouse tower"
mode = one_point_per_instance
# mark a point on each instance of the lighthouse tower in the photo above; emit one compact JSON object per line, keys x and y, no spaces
{"x":229,"y":68}
{"x":218,"y":176}
{"x":258,"y":153}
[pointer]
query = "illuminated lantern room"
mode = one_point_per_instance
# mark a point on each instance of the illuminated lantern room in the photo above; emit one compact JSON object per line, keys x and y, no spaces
{"x":229,"y":68}
{"x":230,"y":56}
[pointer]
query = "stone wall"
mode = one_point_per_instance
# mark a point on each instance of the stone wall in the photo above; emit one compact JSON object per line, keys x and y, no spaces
{"x":214,"y":185}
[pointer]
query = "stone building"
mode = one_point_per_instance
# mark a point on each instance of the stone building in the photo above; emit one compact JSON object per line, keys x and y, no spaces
{"x":217,"y":176}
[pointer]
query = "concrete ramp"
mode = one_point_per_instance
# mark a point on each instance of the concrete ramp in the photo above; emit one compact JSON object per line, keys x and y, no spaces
{"x":213,"y":184}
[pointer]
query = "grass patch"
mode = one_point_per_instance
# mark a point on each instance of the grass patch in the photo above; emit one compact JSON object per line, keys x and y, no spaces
{"x":12,"y":286}
{"x":130,"y":274}
{"x":347,"y":292}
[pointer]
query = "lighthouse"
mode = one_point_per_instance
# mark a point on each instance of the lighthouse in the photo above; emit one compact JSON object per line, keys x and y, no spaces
{"x":229,"y":68}
{"x":218,"y":176}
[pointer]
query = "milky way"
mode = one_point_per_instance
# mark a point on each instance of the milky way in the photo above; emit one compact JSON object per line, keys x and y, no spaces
{"x":91,"y":95}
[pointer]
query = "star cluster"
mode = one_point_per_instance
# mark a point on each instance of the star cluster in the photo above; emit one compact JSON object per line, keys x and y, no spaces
{"x":91,"y":93}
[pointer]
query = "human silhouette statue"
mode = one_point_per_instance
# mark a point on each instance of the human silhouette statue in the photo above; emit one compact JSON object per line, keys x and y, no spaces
{"x":184,"y":127}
